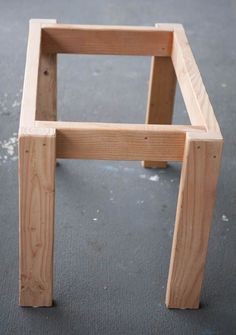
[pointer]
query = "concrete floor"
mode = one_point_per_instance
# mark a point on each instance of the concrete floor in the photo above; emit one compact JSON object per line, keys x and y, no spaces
{"x":113,"y":226}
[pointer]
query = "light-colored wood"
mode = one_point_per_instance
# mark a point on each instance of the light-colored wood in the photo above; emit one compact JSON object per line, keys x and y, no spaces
{"x":31,"y":78}
{"x":37,"y":148}
{"x":29,"y":96}
{"x":191,"y":85}
{"x":198,"y":146}
{"x":112,"y":40}
{"x":47,"y":84}
{"x":119,"y":126}
{"x":193,"y":219}
{"x":119,"y":144}
{"x":119,"y":141}
{"x":47,"y":88}
{"x":161,"y":95}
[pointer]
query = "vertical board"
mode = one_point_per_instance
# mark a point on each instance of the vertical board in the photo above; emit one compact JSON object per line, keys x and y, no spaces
{"x":37,"y":188}
{"x":47,"y":88}
{"x":193,"y":221}
{"x":161,"y":96}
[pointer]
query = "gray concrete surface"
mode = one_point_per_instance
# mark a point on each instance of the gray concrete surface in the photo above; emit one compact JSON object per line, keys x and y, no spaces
{"x":113,"y":226}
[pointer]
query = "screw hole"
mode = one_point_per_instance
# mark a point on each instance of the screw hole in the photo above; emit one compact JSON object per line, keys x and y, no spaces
{"x":26,"y":151}
{"x":198,"y":147}
{"x":214,"y":156}
{"x":44,"y":144}
{"x":46,"y":73}
{"x":145,"y":138}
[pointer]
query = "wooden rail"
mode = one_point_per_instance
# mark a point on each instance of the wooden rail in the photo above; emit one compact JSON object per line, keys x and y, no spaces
{"x":119,"y":141}
{"x":106,"y":40}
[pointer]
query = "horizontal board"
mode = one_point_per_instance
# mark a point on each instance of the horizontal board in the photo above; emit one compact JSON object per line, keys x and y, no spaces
{"x":191,"y":85}
{"x":110,"y":40}
{"x":119,"y":141}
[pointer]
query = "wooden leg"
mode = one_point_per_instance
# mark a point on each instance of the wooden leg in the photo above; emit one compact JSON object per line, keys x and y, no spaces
{"x":47,"y":88}
{"x":193,"y":221}
{"x":161,"y":95}
{"x":36,"y":185}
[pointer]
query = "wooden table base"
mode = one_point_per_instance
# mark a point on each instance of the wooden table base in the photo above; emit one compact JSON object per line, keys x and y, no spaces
{"x":42,"y":139}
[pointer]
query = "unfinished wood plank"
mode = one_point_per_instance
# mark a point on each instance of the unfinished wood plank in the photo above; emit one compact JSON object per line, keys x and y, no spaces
{"x":193,"y":220}
{"x":119,"y":126}
{"x":189,"y":78}
{"x":37,"y":149}
{"x":31,"y":78}
{"x":47,"y":88}
{"x":29,"y":96}
{"x":161,"y":95}
{"x":119,"y":141}
{"x":111,"y":40}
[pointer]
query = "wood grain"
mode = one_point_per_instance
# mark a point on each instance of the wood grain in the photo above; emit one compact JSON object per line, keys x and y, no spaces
{"x":199,"y":147}
{"x":29,"y":96}
{"x":37,"y":149}
{"x":161,"y":95}
{"x":31,"y":77}
{"x":119,"y":141}
{"x":111,"y":40}
{"x":191,"y":85}
{"x":47,"y":88}
{"x":193,"y":220}
{"x":36,"y":187}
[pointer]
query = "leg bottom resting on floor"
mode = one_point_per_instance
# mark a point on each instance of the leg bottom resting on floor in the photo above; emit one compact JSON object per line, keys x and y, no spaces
{"x":193,"y":221}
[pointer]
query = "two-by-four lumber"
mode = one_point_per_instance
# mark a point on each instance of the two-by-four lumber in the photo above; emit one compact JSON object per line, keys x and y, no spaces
{"x":161,"y":96}
{"x":111,"y":40}
{"x":37,"y":150}
{"x":196,"y":199}
{"x":191,"y":85}
{"x":29,"y":96}
{"x":119,"y":141}
{"x":31,"y":78}
{"x":47,"y":88}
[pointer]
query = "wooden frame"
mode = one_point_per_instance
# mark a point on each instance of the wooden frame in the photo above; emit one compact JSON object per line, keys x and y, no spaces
{"x":42,"y":139}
